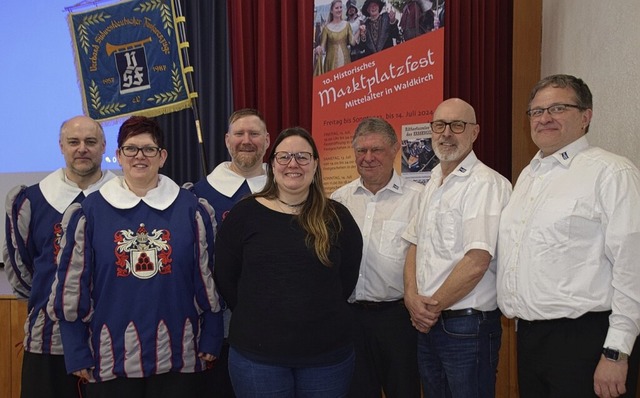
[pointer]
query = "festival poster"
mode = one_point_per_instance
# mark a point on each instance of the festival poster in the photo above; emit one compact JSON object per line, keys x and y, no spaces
{"x":401,"y":82}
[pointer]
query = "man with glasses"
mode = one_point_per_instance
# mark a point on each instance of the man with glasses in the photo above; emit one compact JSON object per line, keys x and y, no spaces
{"x":247,"y":141}
{"x":382,"y":202}
{"x":34,"y":231}
{"x":450,"y":267}
{"x":568,"y":256}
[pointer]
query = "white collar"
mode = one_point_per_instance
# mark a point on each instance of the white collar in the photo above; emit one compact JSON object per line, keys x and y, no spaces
{"x":563,"y":156}
{"x":395,"y":184}
{"x":117,"y":194}
{"x":60,"y":192}
{"x":227,"y":181}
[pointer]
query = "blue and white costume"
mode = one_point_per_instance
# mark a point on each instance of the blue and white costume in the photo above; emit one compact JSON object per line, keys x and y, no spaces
{"x":134,"y":290}
{"x":33,"y":233}
{"x":223,"y":188}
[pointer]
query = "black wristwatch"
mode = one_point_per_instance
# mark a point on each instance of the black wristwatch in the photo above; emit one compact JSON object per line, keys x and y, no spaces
{"x":614,"y":355}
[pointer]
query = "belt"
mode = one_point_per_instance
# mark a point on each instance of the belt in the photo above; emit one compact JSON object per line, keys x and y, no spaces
{"x":378,"y":305}
{"x":458,"y":313}
{"x":588,"y":316}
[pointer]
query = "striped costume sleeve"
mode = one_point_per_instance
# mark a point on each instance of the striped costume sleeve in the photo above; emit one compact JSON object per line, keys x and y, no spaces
{"x":207,"y":299}
{"x":70,"y":300}
{"x":16,"y":255}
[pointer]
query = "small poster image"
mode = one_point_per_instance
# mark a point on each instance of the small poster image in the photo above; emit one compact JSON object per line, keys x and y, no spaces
{"x":418,"y":156}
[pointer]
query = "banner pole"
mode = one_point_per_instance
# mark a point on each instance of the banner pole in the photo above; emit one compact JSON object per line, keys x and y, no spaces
{"x":184,"y":45}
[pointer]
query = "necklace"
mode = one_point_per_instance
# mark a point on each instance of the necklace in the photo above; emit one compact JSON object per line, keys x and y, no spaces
{"x":290,"y":205}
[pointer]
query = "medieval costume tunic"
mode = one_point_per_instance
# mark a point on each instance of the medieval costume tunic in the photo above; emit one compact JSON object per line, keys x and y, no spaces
{"x":32,"y":243}
{"x":134,"y":290}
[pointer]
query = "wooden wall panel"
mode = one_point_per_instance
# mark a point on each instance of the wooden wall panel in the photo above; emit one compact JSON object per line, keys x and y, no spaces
{"x":12,"y":316}
{"x":526,"y":60}
{"x":5,"y":348}
{"x":18,"y":316}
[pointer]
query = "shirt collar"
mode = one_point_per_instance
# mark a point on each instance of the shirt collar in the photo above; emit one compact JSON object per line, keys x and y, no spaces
{"x":466,"y":165}
{"x":394,"y":184}
{"x":227,"y":182}
{"x":60,"y":192}
{"x":117,"y":194}
{"x":563,"y":156}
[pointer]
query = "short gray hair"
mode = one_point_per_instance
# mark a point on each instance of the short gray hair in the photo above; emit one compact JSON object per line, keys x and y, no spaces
{"x":375,"y":125}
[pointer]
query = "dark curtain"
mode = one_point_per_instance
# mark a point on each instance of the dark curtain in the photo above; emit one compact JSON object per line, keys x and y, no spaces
{"x":478,"y":43}
{"x":271,"y":48}
{"x":206,"y":30}
{"x":271,"y":60}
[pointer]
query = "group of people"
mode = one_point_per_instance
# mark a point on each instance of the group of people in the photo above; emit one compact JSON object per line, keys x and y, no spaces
{"x":253,"y":282}
{"x":370,"y":29}
{"x":344,"y":41}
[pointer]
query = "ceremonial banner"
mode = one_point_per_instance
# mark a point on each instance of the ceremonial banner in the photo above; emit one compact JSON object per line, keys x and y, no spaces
{"x":388,"y":62}
{"x":129,"y":61}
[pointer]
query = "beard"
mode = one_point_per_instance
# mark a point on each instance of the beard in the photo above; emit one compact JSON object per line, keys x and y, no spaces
{"x":84,"y":169}
{"x":246,"y":157}
{"x":449,"y":156}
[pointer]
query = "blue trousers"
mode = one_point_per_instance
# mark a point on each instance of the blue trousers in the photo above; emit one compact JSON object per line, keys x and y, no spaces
{"x":252,"y":379}
{"x":458,"y":358}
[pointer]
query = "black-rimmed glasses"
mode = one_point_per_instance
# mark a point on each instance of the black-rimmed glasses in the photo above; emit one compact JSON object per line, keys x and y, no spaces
{"x":553,"y":110}
{"x":131,"y":151}
{"x":284,"y":158}
{"x":456,"y":126}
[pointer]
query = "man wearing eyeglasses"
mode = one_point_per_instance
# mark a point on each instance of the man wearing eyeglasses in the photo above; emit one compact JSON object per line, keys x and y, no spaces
{"x":569,"y":247}
{"x":34,"y":231}
{"x":450,"y":266}
{"x":382,"y":202}
{"x":247,"y":141}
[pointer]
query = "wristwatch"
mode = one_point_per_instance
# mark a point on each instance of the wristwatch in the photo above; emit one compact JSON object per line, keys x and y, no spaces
{"x":614,"y":355}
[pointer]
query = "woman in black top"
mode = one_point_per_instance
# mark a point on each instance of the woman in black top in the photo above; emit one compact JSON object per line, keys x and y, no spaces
{"x":287,"y":259}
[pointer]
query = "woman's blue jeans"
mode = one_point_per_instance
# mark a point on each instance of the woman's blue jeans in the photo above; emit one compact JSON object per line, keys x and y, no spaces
{"x":251,"y":379}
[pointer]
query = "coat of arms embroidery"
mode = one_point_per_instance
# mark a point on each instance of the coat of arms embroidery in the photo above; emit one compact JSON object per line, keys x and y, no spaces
{"x":142,"y":254}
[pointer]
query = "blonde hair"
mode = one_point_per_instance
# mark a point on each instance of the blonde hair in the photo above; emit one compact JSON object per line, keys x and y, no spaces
{"x":330,"y":18}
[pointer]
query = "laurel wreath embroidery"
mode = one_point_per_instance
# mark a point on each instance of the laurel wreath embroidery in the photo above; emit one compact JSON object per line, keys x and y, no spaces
{"x":170,"y":96}
{"x":96,"y":102}
{"x":165,"y":12}
{"x":83,"y":35}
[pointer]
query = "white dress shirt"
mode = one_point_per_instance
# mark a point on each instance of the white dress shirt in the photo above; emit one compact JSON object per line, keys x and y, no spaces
{"x":570,"y":241}
{"x":457,"y":214}
{"x":382,"y":218}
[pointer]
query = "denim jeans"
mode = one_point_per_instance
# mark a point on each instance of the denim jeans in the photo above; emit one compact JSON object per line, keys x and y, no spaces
{"x":458,"y":358}
{"x":253,"y":379}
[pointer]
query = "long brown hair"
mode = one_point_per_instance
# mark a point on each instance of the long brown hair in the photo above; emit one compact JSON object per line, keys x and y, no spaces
{"x":318,"y":216}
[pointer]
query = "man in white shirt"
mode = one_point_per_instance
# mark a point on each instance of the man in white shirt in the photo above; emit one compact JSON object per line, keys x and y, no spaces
{"x":568,"y":254}
{"x":247,"y":141}
{"x":382,"y":203}
{"x":450,"y":266}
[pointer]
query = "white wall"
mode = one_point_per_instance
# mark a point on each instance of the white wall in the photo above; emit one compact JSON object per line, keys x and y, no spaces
{"x":598,"y":41}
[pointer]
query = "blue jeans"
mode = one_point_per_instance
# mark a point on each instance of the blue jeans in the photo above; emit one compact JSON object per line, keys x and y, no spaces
{"x":251,"y":379}
{"x":458,"y":358}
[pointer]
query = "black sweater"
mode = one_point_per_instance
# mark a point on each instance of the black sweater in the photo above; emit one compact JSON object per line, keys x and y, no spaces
{"x":288,"y":308}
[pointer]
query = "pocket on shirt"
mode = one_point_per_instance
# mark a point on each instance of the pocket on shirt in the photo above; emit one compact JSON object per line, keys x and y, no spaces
{"x":391,"y":243}
{"x":552,"y":225}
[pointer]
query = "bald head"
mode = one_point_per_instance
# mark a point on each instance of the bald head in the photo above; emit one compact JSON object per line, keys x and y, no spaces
{"x":455,"y":109}
{"x":81,"y":122}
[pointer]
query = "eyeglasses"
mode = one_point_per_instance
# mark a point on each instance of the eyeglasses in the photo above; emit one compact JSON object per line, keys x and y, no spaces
{"x":284,"y":158}
{"x":556,"y":109}
{"x":456,"y":127}
{"x":131,"y":151}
